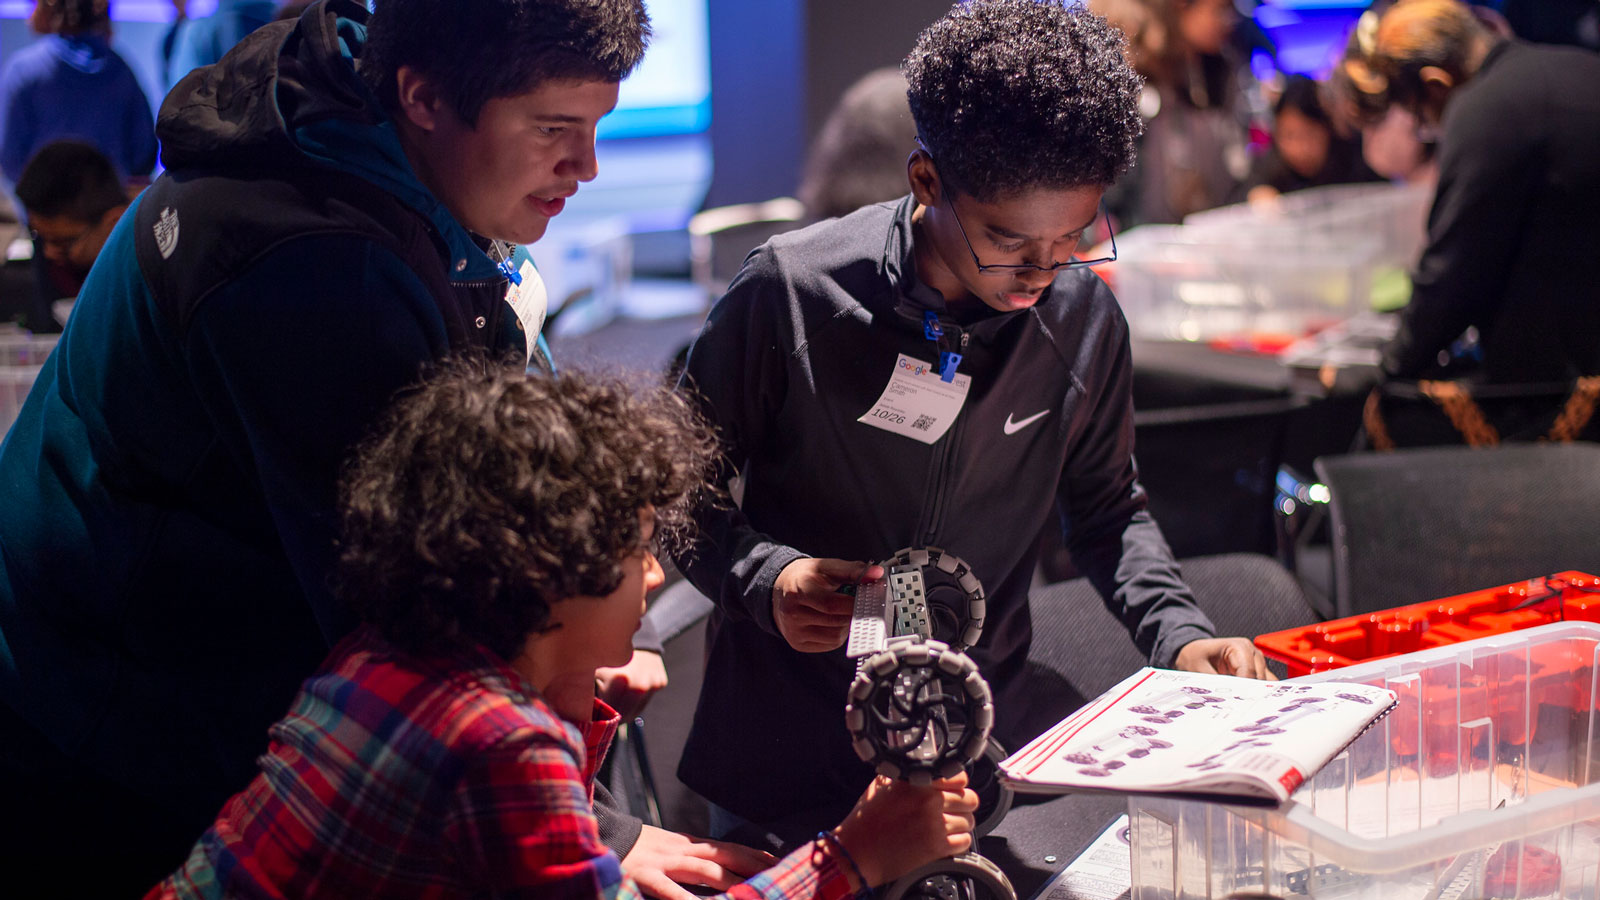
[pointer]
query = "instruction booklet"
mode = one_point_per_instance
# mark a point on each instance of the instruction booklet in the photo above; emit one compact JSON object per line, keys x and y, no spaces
{"x":1216,"y":736}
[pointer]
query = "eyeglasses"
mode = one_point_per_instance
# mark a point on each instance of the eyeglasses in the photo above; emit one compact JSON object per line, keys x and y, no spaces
{"x":57,"y":241}
{"x":1001,"y":268}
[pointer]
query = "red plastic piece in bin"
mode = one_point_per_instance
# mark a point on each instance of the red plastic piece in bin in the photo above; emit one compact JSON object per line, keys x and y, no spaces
{"x":1534,"y":872}
{"x":1565,"y":596}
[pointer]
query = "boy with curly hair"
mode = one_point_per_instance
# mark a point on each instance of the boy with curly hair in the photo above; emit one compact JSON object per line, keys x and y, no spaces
{"x":935,"y":371}
{"x":499,"y":537}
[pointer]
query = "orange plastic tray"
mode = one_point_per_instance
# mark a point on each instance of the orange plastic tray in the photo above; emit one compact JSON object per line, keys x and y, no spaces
{"x":1565,"y":596}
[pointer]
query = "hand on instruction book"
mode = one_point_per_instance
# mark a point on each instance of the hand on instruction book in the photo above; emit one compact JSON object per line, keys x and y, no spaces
{"x":1223,"y":656}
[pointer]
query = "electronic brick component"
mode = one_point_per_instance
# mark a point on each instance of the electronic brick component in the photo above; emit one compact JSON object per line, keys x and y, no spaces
{"x":927,"y":593}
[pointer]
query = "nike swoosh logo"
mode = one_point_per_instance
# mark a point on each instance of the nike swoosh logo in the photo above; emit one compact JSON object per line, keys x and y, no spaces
{"x":1014,"y":427}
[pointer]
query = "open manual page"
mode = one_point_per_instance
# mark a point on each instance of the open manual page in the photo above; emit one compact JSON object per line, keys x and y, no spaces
{"x":1167,"y":732}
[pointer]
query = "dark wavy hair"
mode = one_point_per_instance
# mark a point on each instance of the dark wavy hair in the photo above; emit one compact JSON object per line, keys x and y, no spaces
{"x":487,"y":496}
{"x":70,"y":17}
{"x":477,"y":50}
{"x":1010,"y":95}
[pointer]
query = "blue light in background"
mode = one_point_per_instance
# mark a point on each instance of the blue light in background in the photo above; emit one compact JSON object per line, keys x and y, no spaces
{"x":121,"y":10}
{"x":670,"y":93}
{"x":1309,"y":34}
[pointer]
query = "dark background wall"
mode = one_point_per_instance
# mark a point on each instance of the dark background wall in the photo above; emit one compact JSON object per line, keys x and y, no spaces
{"x":777,"y":68}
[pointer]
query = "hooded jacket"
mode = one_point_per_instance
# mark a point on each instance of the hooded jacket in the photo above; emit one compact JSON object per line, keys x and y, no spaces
{"x":76,"y":88}
{"x":790,"y":359}
{"x":168,"y":527}
{"x":200,"y":42}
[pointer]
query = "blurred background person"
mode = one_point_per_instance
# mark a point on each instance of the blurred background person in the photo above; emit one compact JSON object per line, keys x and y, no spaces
{"x":71,"y":84}
{"x":1195,"y":151}
{"x":1396,"y":148}
{"x":1307,"y":150}
{"x":1516,"y":214}
{"x":859,"y":157}
{"x":72,"y":198}
{"x":193,"y":43}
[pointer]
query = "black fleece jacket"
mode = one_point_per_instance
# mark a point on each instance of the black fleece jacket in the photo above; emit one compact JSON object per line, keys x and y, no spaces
{"x":1514,"y":234}
{"x":799,"y":348}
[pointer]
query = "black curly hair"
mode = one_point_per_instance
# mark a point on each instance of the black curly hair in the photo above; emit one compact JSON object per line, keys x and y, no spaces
{"x":1010,"y":95}
{"x":489,"y":495}
{"x":477,"y":50}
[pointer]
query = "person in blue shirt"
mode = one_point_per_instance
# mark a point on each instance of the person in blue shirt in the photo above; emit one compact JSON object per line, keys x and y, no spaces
{"x":71,"y":84}
{"x":193,"y":43}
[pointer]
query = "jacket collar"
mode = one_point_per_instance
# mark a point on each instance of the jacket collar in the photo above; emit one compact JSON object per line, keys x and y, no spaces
{"x":907,"y":298}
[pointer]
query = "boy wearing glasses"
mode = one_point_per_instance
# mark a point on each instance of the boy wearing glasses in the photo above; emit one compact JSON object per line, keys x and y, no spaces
{"x":934,"y":371}
{"x":72,"y":197}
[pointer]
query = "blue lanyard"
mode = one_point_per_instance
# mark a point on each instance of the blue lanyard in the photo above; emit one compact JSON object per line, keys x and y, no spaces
{"x":510,"y":273}
{"x":948,"y":362}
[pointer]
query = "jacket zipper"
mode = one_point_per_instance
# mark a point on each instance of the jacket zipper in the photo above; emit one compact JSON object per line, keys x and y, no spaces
{"x":943,"y":464}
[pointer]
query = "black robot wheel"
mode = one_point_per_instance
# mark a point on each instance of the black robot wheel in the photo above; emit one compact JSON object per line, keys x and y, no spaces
{"x":965,"y":877}
{"x":919,"y":710}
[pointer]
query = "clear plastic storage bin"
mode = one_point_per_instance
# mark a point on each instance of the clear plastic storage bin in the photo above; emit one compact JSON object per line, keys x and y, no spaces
{"x":1282,"y":270}
{"x":1479,"y":784}
{"x":1175,"y":283}
{"x":22,"y":355}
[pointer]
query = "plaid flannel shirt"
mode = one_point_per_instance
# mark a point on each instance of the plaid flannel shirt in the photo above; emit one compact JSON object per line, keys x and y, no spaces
{"x":394,"y":776}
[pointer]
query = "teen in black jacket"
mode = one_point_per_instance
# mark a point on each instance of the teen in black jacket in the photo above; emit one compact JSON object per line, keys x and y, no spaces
{"x":1026,"y":112}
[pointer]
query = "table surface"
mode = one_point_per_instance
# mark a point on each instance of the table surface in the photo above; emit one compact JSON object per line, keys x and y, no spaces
{"x":1037,"y":827}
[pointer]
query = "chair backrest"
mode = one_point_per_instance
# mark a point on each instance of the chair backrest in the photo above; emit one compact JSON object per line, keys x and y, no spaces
{"x":1080,"y":651}
{"x":721,"y":238}
{"x":1209,"y":472}
{"x":1414,"y":525}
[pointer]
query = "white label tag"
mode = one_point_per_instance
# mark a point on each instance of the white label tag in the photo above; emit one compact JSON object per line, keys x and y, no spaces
{"x":917,"y":403}
{"x":529,"y":301}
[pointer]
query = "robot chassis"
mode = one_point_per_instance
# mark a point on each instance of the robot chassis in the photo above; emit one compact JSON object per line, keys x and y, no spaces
{"x":918,"y":709}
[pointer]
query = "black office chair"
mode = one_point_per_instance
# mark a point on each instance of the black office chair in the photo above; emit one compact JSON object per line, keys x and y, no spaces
{"x":1415,"y":525}
{"x":1209,"y":472}
{"x":721,"y":238}
{"x":1078,"y":655}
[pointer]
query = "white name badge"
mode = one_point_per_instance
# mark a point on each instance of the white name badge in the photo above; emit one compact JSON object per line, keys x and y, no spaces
{"x":529,"y":300}
{"x":917,"y":403}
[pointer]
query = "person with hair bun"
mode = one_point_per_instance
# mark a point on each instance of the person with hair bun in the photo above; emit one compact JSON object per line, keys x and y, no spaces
{"x":1516,"y":215}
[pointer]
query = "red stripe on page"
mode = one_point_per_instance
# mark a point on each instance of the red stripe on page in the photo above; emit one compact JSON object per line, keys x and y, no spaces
{"x":1043,"y":743}
{"x":1056,"y":744}
{"x":1039,"y":743}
